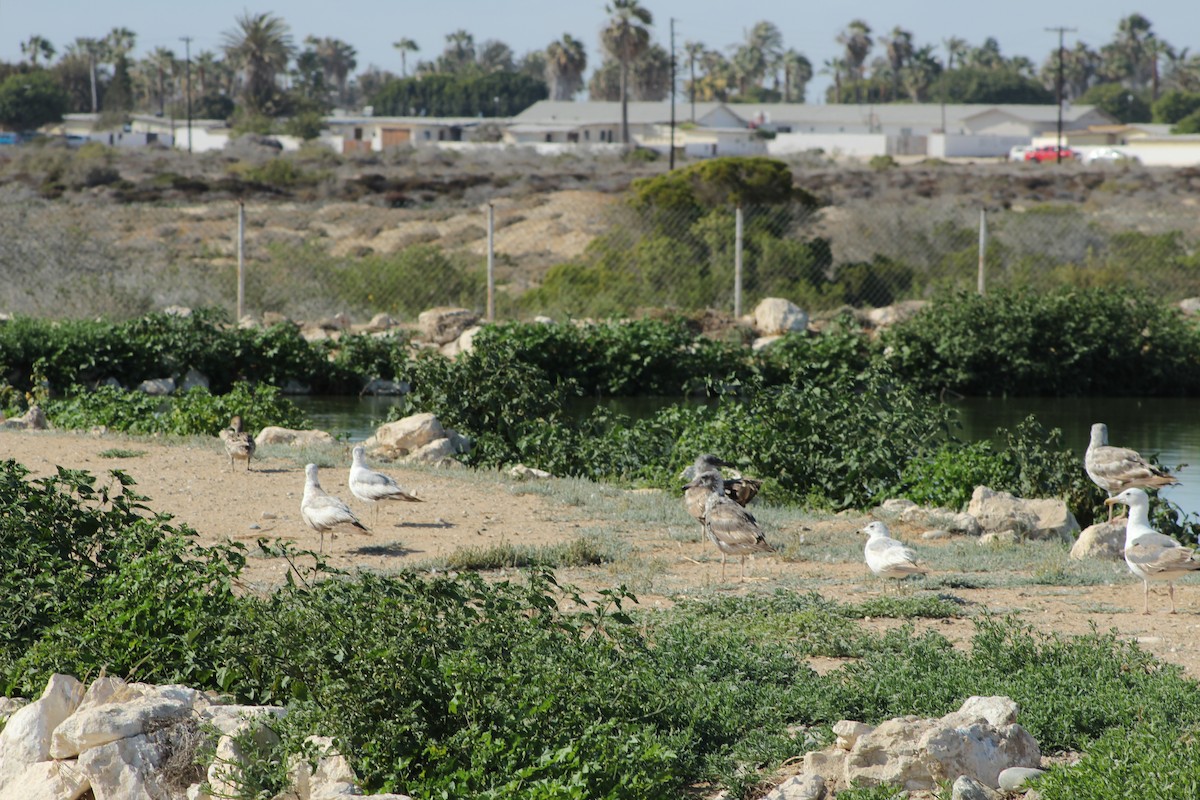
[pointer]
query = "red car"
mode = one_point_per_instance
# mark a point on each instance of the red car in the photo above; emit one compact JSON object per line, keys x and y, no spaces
{"x":1050,"y":153}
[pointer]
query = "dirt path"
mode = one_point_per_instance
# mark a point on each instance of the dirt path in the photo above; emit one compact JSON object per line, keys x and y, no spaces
{"x":664,"y":555}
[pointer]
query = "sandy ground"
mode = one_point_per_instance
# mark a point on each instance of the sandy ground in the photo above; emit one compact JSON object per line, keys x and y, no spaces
{"x":666,"y":557}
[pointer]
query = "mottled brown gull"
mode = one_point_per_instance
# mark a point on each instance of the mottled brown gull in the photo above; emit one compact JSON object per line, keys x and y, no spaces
{"x":731,"y":528}
{"x":1115,"y":469}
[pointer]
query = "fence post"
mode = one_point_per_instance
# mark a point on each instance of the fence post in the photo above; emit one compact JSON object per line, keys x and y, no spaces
{"x":241,"y":260}
{"x":491,"y":262}
{"x":737,"y":265}
{"x":982,"y":248}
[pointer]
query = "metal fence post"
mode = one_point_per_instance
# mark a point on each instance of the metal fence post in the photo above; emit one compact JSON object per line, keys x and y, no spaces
{"x":241,"y":260}
{"x":737,"y":265}
{"x":982,"y":248}
{"x":491,"y":262}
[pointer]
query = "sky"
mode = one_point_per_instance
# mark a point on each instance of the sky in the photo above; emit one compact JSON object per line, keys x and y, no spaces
{"x":371,"y":26}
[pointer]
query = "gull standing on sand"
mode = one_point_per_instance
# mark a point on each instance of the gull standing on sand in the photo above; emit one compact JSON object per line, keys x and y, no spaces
{"x":238,"y":444}
{"x":1150,"y":555}
{"x":322,"y":511}
{"x":1115,"y":469}
{"x":888,"y":557}
{"x":371,"y":487}
{"x":739,"y":489}
{"x":731,"y":528}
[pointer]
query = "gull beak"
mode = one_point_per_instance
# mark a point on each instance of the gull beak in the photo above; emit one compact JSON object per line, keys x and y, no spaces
{"x":1111,"y":501}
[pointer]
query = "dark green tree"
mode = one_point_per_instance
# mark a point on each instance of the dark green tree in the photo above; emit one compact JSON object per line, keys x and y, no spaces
{"x":1124,"y":104}
{"x":1174,"y":105}
{"x":496,"y":94}
{"x":30,"y":100}
{"x":979,"y":85}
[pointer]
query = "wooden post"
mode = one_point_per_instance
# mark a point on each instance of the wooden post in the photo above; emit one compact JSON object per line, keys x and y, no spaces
{"x":737,"y":265}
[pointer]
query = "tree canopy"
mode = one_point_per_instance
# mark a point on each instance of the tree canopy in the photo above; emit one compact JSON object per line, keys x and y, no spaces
{"x":30,"y":100}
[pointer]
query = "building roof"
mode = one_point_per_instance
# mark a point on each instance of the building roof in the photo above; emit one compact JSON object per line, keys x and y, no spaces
{"x":892,"y":114}
{"x":603,"y":112}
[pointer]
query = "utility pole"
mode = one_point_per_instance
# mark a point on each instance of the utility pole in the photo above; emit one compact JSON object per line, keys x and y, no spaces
{"x":1059,"y":89}
{"x":671,"y":158}
{"x":187,"y":49}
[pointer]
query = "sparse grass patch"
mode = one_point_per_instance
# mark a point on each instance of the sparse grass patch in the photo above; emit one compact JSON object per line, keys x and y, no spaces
{"x":583,"y":551}
{"x":120,"y":452}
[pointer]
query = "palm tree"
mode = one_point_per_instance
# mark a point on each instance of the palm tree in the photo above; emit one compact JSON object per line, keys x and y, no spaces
{"x":160,"y":65}
{"x":693,"y":50}
{"x":837,"y":68}
{"x":797,"y":72}
{"x":260,"y":47}
{"x":92,"y":51}
{"x":405,"y":46}
{"x":494,"y":56}
{"x":120,"y":41}
{"x":899,"y":46}
{"x":650,"y":74}
{"x":338,"y":60}
{"x":37,"y":47}
{"x":856,"y":39}
{"x":566,"y":61}
{"x":626,"y":38}
{"x":1183,"y":73}
{"x":766,"y":39}
{"x":956,"y":50}
{"x":919,"y":73}
{"x":985,"y":57}
{"x":459,"y":54}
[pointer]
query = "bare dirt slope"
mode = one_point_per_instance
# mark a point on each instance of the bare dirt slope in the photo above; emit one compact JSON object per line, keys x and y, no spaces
{"x":665,"y":555}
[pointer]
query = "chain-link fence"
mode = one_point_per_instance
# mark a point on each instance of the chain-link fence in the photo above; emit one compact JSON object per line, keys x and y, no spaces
{"x":576,"y":253}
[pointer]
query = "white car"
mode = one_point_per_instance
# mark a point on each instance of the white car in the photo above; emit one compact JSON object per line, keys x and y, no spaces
{"x":1017,"y":152}
{"x":1109,"y":155}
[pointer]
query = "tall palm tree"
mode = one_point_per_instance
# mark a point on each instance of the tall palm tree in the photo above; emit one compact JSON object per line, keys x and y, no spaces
{"x":899,"y":47}
{"x":650,"y":74}
{"x":36,"y":47}
{"x":985,"y":57}
{"x":93,"y":52}
{"x":919,"y":73}
{"x":797,"y":72}
{"x":626,"y":38}
{"x":856,"y":40}
{"x":766,"y":39}
{"x":120,"y":41}
{"x":956,"y":50}
{"x":338,"y":60}
{"x":405,"y":46}
{"x":459,"y":54}
{"x":494,"y":55}
{"x":260,"y":47}
{"x":160,"y":67}
{"x":836,"y":68}
{"x":693,"y":50}
{"x":566,"y":61}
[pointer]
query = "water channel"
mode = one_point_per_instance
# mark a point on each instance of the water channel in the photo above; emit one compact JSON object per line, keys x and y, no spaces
{"x":1165,"y":427}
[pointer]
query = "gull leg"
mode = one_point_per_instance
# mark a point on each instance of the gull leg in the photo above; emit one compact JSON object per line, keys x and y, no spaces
{"x":1146,"y":597}
{"x":722,"y":567}
{"x":1171,"y":591}
{"x":742,"y":571}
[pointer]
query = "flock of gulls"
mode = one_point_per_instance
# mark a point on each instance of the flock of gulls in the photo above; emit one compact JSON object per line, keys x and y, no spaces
{"x":719,"y":505}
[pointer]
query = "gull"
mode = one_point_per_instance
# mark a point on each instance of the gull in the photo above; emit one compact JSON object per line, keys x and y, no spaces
{"x":322,"y":511}
{"x":888,"y":557}
{"x":370,"y":486}
{"x":739,"y":489}
{"x":1150,"y":555}
{"x":238,"y":444}
{"x":731,"y":528}
{"x":1115,"y":469}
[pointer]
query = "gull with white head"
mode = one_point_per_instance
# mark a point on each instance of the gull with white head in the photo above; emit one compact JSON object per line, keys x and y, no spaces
{"x":321,"y":510}
{"x":372,"y":486}
{"x":1151,"y":555}
{"x":888,"y":557}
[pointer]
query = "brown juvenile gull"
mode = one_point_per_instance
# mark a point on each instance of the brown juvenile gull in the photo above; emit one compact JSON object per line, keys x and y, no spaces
{"x":1150,"y":555}
{"x":371,"y":486}
{"x":322,"y":511}
{"x":1115,"y":469}
{"x":238,"y":444}
{"x":888,"y":557}
{"x":731,"y":528}
{"x":739,"y":489}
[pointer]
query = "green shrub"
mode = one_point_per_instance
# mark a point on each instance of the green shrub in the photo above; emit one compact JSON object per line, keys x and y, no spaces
{"x":1161,"y":759}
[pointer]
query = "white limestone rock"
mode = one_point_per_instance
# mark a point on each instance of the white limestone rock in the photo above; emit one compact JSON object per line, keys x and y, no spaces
{"x":1054,"y":520}
{"x":194,"y":378}
{"x":157,"y":387}
{"x":406,"y":435}
{"x":121,"y":717}
{"x":803,"y":786}
{"x":465,"y":343}
{"x":1104,"y":540}
{"x":275,"y":435}
{"x":25,"y":739}
{"x":47,"y":780}
{"x":775,"y":315}
{"x":443,"y":325}
{"x":524,"y":473}
{"x":126,"y":768}
{"x":1001,"y":511}
{"x":436,"y":452}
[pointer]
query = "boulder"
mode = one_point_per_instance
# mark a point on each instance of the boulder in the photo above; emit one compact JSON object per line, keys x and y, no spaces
{"x":274,"y":435}
{"x":1001,"y":511}
{"x":435,"y":452}
{"x":848,"y":732}
{"x":125,"y":768}
{"x":384,"y":387}
{"x":32,"y":420}
{"x":799,"y":787}
{"x":443,"y":325}
{"x":270,"y":318}
{"x":979,"y":740}
{"x":120,"y":717}
{"x":25,"y":739}
{"x":177,"y":311}
{"x":406,"y":435}
{"x":379,"y":322}
{"x":463,"y":344}
{"x":10,"y":704}
{"x":1014,"y":778}
{"x":897,"y":312}
{"x":1190,"y":306}
{"x":966,"y":788}
{"x":47,"y":780}
{"x":157,"y":387}
{"x":332,"y":777}
{"x":965,"y":524}
{"x":1054,"y":520}
{"x":763,"y":342}
{"x":896,"y":506}
{"x":524,"y":473}
{"x":1102,"y":540}
{"x":775,"y":315}
{"x":192,"y":379}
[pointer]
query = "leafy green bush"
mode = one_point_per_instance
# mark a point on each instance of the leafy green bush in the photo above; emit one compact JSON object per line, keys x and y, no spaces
{"x":1066,"y":342}
{"x":195,"y":412}
{"x":1161,"y":759}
